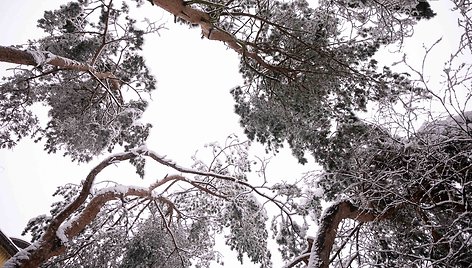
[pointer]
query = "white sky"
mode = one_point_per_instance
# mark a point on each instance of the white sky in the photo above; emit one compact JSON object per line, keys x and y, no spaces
{"x":192,"y":106}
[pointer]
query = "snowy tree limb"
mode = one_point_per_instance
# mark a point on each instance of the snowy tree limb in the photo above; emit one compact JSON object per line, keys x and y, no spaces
{"x":40,"y":58}
{"x":195,"y":16}
{"x":322,"y":245}
{"x":67,"y":224}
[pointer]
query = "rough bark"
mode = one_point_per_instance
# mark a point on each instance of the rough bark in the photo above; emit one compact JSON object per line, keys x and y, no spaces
{"x":195,"y":16}
{"x":327,"y":231}
{"x":39,"y":58}
{"x":50,"y":244}
{"x":14,"y":55}
{"x":30,"y":57}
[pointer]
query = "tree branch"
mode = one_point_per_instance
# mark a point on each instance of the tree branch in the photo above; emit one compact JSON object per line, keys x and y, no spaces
{"x":327,"y":231}
{"x":40,"y":58}
{"x":195,"y":16}
{"x":65,"y":226}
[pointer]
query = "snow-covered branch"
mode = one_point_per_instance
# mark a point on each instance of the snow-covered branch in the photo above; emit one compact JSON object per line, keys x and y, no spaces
{"x":330,"y":220}
{"x":41,"y":58}
{"x":79,"y":213}
{"x":195,"y":16}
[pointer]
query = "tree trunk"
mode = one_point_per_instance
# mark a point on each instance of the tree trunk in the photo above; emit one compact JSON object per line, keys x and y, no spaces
{"x":327,"y":231}
{"x":195,"y":16}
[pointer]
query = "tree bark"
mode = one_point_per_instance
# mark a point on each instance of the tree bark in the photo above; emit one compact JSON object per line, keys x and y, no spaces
{"x":35,"y":57}
{"x":39,"y":58}
{"x":13,"y":55}
{"x":327,"y":231}
{"x":195,"y":16}
{"x":50,"y":244}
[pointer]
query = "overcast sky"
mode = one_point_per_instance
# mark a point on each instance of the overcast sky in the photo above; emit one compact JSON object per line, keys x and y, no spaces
{"x":192,"y":106}
{"x":190,"y":99}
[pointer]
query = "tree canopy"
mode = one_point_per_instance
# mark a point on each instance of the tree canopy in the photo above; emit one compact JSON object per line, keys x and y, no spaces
{"x":89,"y":57}
{"x":391,"y":194}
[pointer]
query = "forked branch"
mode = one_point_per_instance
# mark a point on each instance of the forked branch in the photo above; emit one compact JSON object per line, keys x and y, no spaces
{"x":319,"y":249}
{"x":68,"y":223}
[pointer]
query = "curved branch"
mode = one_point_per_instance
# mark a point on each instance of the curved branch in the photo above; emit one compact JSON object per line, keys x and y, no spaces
{"x":330,"y":220}
{"x":162,"y":160}
{"x":304,"y":256}
{"x":62,"y":228}
{"x":50,"y":244}
{"x":78,"y":224}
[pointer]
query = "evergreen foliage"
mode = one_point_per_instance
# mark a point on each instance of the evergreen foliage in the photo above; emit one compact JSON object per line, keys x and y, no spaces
{"x":394,"y":198}
{"x":86,"y":114}
{"x":420,"y":184}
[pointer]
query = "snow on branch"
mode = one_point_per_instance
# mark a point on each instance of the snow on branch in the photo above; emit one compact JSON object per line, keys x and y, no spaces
{"x":319,"y":248}
{"x":69,"y":223}
{"x":304,"y":256}
{"x":40,"y":58}
{"x":195,"y":16}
